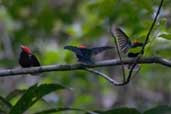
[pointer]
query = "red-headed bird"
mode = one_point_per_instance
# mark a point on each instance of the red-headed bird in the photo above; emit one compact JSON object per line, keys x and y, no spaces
{"x":125,"y":44}
{"x":84,"y":54}
{"x":26,"y":58}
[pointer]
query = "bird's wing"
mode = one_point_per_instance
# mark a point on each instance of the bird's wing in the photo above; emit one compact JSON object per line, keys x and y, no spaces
{"x":83,"y":54}
{"x":97,"y":50}
{"x":34,"y":60}
{"x":123,"y":40}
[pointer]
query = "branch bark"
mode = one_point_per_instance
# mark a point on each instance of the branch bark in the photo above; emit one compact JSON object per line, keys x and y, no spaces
{"x":70,"y":67}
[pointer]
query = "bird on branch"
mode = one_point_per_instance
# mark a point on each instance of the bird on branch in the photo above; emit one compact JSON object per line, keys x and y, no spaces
{"x":85,"y":54}
{"x":132,"y":49}
{"x":26,"y":58}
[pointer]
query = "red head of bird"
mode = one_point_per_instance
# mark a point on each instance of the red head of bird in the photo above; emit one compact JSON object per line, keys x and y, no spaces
{"x":25,"y":49}
{"x":82,"y":46}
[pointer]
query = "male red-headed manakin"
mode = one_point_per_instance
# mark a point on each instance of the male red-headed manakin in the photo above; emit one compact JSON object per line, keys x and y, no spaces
{"x":26,"y":58}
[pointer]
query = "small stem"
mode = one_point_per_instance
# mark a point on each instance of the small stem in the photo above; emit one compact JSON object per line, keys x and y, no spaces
{"x":145,"y":42}
{"x":112,"y":81}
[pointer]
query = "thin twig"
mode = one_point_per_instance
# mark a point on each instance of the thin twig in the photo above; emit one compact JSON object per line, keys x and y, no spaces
{"x":112,"y":81}
{"x":152,"y":26}
{"x":131,"y":71}
{"x":145,"y":42}
{"x":136,"y":72}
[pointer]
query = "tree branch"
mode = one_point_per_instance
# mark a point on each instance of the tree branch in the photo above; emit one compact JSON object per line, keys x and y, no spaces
{"x":70,"y":67}
{"x":112,"y":81}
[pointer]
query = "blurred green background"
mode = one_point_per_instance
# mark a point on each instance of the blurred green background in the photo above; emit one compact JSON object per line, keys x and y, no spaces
{"x":46,"y":26}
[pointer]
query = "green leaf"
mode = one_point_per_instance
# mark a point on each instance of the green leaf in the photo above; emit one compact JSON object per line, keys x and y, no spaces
{"x":119,"y":111}
{"x":32,"y":95}
{"x":165,"y":36}
{"x":2,"y":111}
{"x":61,"y":109}
{"x":14,"y":93}
{"x":135,"y":50}
{"x":5,"y":105}
{"x":159,"y":110}
{"x":5,"y":102}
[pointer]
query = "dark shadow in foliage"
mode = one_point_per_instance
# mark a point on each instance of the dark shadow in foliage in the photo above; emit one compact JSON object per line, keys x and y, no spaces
{"x":159,"y":110}
{"x":32,"y":95}
{"x":14,"y":94}
{"x":18,"y":92}
{"x":5,"y":106}
{"x":119,"y":111}
{"x":61,"y":109}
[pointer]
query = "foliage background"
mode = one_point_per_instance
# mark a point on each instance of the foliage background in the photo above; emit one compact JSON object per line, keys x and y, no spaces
{"x":46,"y":26}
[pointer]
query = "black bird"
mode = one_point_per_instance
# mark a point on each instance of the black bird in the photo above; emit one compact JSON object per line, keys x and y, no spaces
{"x":26,"y":58}
{"x":84,"y":54}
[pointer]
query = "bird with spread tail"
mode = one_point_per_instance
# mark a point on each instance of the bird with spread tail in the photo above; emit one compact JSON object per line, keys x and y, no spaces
{"x":85,"y":54}
{"x":26,"y":58}
{"x":132,"y":49}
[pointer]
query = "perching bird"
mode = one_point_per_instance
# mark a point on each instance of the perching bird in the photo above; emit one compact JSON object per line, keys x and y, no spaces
{"x":84,"y":54}
{"x":26,"y":58}
{"x":132,"y":49}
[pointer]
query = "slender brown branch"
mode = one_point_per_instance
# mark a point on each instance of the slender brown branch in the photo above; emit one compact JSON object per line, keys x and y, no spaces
{"x":131,"y":70}
{"x":152,"y":26}
{"x":112,"y":81}
{"x":71,"y":67}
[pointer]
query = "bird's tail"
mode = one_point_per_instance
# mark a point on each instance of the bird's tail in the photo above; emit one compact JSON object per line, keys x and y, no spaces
{"x":98,"y":50}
